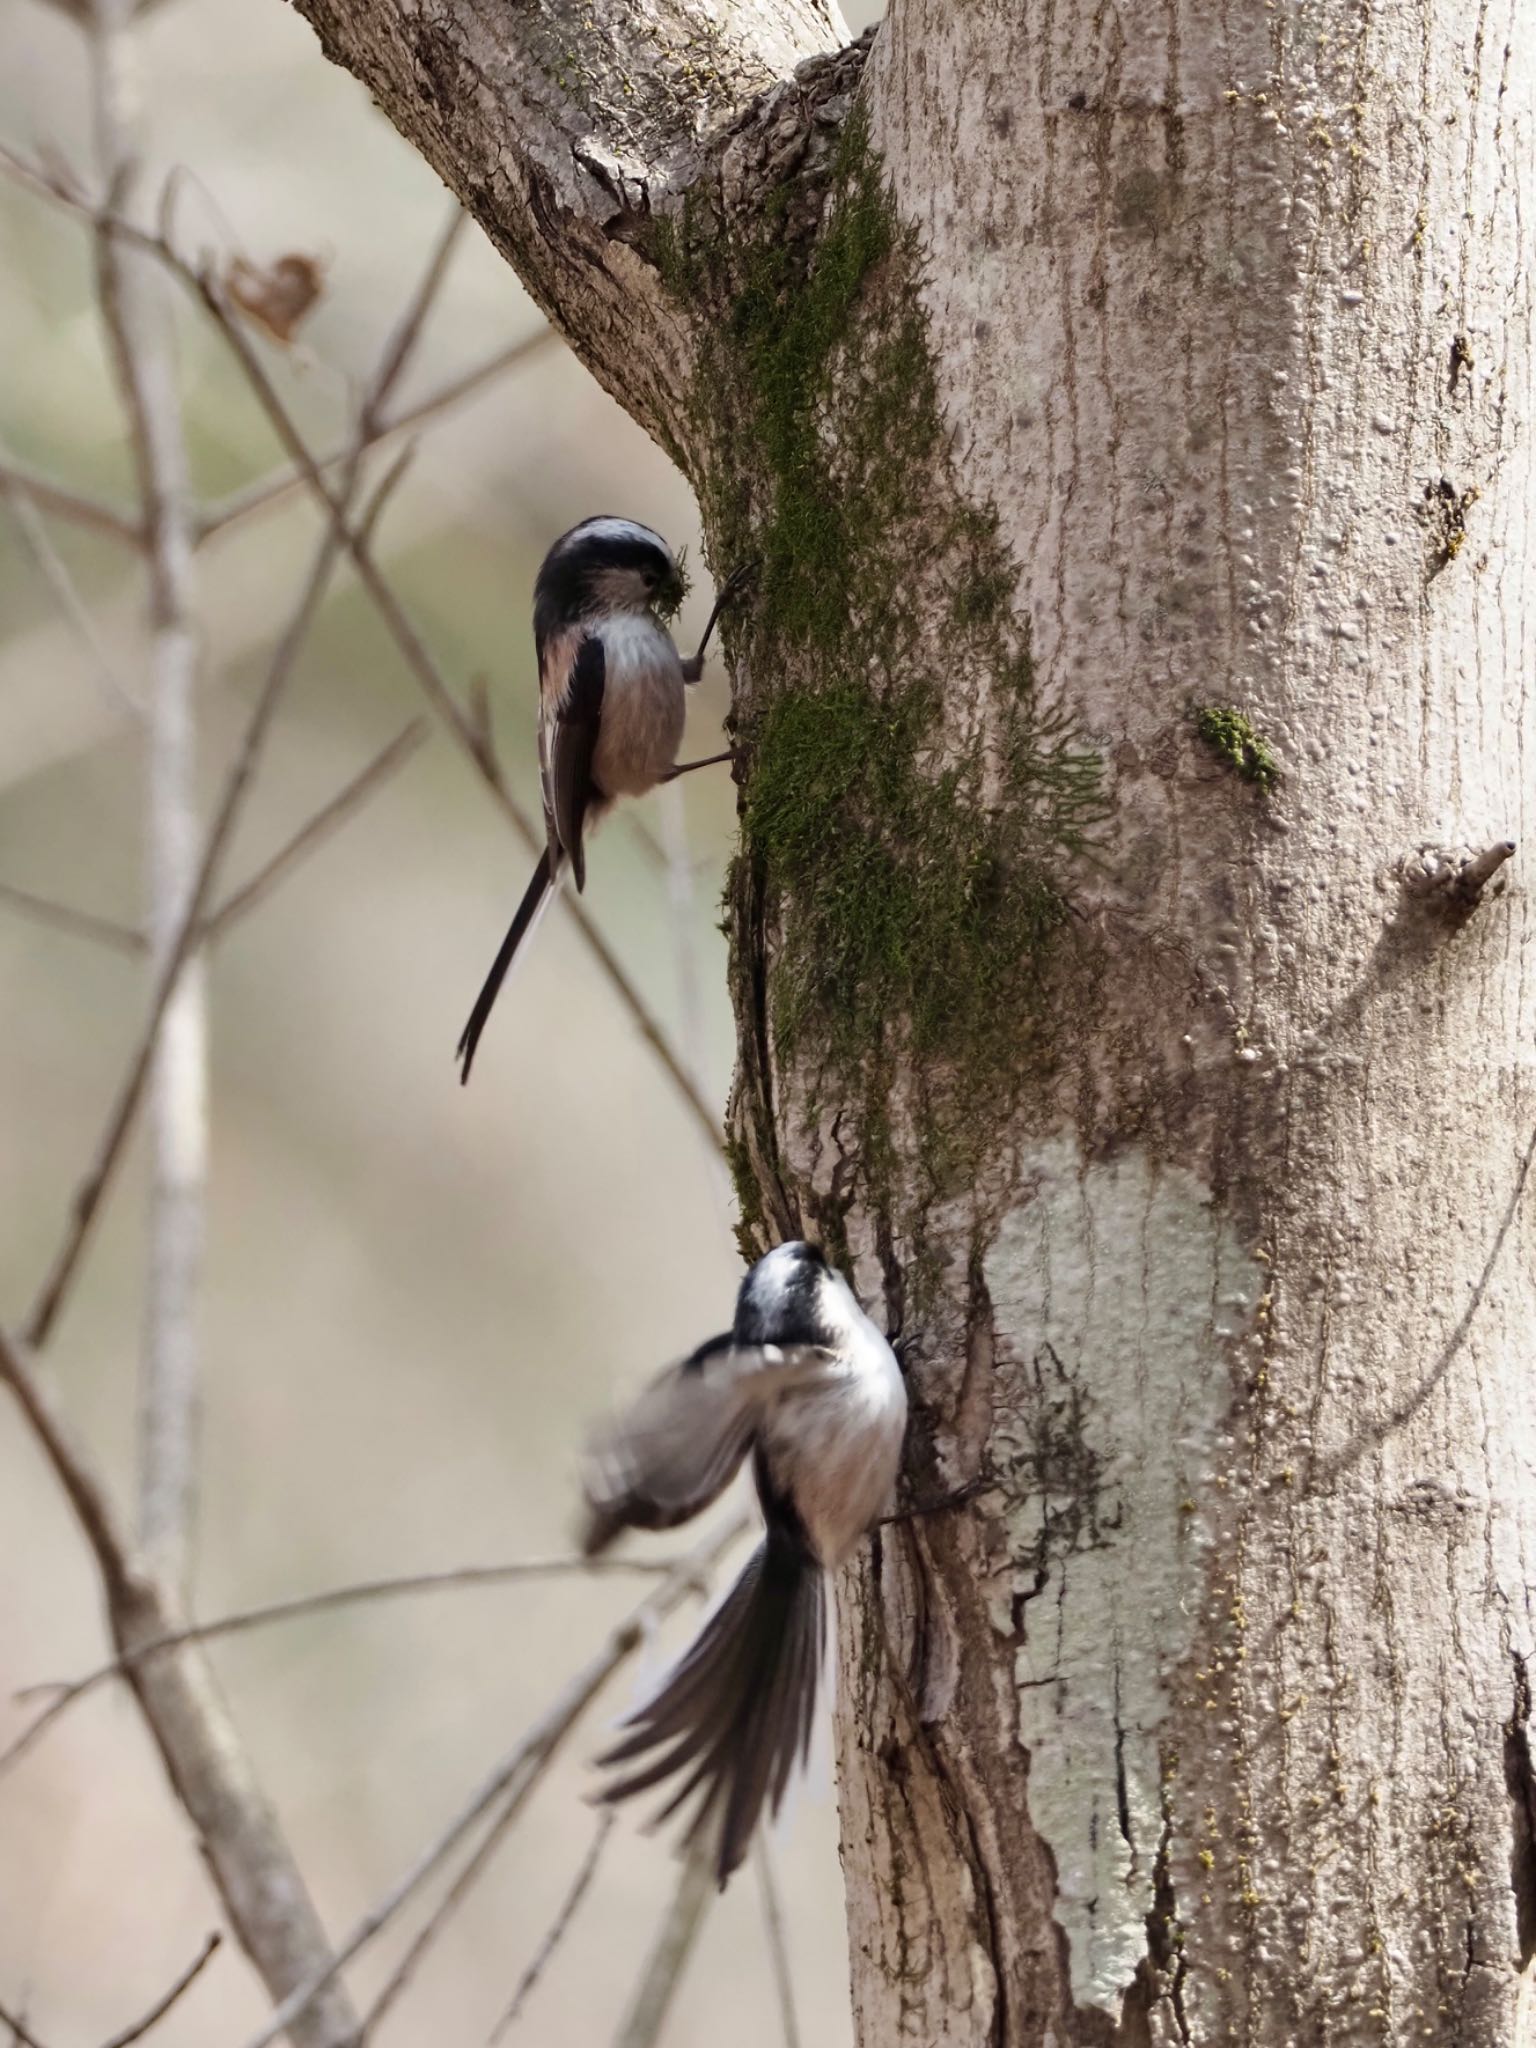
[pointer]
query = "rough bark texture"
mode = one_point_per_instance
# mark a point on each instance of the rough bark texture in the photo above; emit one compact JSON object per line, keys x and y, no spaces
{"x":1125,"y":404}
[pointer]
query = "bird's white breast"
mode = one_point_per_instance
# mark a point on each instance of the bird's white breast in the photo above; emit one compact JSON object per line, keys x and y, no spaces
{"x":643,"y":705}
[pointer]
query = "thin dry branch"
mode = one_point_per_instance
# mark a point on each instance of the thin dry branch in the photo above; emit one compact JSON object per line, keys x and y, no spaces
{"x":289,"y":480}
{"x":257,"y":1878}
{"x":140,"y":2027}
{"x":570,"y":1905}
{"x":82,"y":1485}
{"x":400,"y":1978}
{"x":162,"y":2006}
{"x":359,"y":1593}
{"x":520,"y":1768}
{"x":246,"y":1854}
{"x":83,"y":924}
{"x":328,"y":819}
{"x":54,"y":571}
{"x":778,"y":1946}
{"x":332,"y":815}
{"x":88,"y":1196}
{"x":21,"y":2036}
{"x":51,"y":496}
{"x":133,"y":298}
{"x":679,"y":1930}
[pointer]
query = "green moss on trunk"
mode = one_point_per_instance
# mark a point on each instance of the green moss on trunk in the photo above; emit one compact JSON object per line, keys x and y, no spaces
{"x":908,"y":811}
{"x":1227,"y":733}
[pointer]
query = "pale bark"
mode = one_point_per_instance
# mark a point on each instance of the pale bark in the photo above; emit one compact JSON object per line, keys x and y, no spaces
{"x":1208,"y":1721}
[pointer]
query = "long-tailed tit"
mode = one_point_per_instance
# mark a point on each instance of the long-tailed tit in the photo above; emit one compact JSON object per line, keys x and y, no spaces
{"x":807,"y":1384}
{"x":610,"y":703}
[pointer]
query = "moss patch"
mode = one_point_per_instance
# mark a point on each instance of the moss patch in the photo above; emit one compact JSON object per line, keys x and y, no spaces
{"x":907,"y":810}
{"x":1227,"y":733}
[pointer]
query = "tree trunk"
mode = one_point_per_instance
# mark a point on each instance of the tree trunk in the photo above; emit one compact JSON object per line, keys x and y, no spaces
{"x":1131,"y":409}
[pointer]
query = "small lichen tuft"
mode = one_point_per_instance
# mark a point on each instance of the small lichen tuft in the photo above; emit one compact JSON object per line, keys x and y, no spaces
{"x":1228,"y":733}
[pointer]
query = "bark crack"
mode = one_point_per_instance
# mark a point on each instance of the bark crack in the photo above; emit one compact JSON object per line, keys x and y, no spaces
{"x":1520,"y":1777}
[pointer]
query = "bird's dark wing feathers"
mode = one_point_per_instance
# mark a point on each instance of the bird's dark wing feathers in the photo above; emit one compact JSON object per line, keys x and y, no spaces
{"x":569,"y":788}
{"x":678,"y":1444}
{"x":737,"y":1713}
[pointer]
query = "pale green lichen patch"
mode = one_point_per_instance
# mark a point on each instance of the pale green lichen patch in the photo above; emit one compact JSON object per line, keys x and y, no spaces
{"x":1119,"y":1294}
{"x":1228,"y":733}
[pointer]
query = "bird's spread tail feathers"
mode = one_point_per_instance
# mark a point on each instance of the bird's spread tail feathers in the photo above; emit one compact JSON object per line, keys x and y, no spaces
{"x":737,"y":1712}
{"x":536,"y":899}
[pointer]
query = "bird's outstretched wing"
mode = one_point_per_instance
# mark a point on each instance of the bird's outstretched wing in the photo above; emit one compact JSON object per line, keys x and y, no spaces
{"x":678,"y":1445}
{"x":566,"y":756}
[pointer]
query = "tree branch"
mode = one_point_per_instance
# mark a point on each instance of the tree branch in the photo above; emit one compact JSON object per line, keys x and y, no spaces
{"x":521,"y":1767}
{"x":251,"y":1866}
{"x":679,"y":1930}
{"x":360,"y":1593}
{"x":51,"y":496}
{"x":558,"y":1927}
{"x":133,"y":295}
{"x":106,"y":931}
{"x":55,"y":573}
{"x":562,"y":127}
{"x":778,"y":1947}
{"x":288,"y":480}
{"x":21,"y":2035}
{"x":328,"y":819}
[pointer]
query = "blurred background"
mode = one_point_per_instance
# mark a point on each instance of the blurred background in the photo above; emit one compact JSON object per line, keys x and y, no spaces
{"x":415,"y":1294}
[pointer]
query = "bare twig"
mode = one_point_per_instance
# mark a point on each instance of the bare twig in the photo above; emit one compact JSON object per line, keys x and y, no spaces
{"x":778,"y":1947}
{"x":1478,"y":873}
{"x":83,"y":923}
{"x":258,"y":1880}
{"x":72,"y":1467}
{"x":162,"y":2006}
{"x":55,"y":573}
{"x":247,"y":1856}
{"x":289,"y":479}
{"x":328,"y":819}
{"x":22,"y":2038}
{"x":123,"y":938}
{"x":400,"y":1977}
{"x":88,"y":1196}
{"x":642,"y":2023}
{"x":558,"y":1927}
{"x":517,"y":1772}
{"x":360,"y":1593}
{"x":50,"y":496}
{"x":132,"y":292}
{"x":398,"y":347}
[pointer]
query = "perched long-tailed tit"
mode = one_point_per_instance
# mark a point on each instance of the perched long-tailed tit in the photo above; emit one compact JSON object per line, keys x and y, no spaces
{"x":610,"y":702}
{"x":807,"y":1384}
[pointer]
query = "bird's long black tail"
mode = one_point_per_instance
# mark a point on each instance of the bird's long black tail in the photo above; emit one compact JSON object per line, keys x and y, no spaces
{"x":534,"y":898}
{"x":737,"y":1711}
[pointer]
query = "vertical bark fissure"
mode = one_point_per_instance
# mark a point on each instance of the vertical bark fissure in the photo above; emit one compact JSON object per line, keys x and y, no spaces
{"x":1520,"y":1776}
